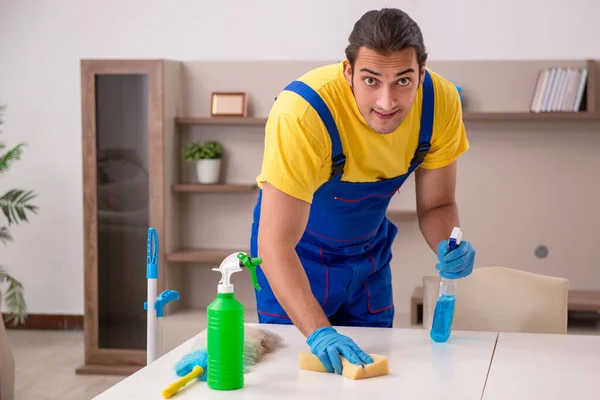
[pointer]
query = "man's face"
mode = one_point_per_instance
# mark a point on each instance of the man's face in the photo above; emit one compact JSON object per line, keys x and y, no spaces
{"x":384,"y":86}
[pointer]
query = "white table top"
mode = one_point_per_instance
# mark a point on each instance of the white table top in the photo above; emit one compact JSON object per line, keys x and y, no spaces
{"x":419,"y":369}
{"x":544,"y":366}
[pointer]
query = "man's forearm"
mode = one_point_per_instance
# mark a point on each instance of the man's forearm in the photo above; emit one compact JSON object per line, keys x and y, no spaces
{"x":291,"y":287}
{"x":436,"y":224}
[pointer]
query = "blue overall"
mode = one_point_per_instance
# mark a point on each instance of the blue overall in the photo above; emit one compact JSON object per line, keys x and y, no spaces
{"x":346,"y":247}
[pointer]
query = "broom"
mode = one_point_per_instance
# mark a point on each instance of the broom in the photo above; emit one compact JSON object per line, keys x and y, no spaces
{"x":193,"y":364}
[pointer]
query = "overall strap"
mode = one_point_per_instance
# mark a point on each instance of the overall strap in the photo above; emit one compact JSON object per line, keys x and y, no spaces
{"x":313,"y":98}
{"x":426,"y":130}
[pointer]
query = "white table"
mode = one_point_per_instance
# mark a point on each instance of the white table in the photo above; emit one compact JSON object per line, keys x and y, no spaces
{"x":544,"y":366}
{"x":419,"y":369}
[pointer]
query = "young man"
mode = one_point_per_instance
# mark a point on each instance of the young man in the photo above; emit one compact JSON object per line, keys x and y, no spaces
{"x":340,"y":141}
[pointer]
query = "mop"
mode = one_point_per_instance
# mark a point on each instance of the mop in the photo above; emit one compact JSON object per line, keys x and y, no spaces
{"x":257,"y":343}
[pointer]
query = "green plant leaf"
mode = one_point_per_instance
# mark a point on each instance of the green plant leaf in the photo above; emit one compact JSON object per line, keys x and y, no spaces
{"x":192,"y":151}
{"x":8,"y":158}
{"x":197,"y":151}
{"x":15,"y":298}
{"x":212,"y":150}
{"x":5,"y":235}
{"x":15,"y":203}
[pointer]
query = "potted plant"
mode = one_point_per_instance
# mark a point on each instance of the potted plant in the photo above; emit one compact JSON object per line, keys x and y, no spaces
{"x":14,"y":204}
{"x":207,"y":157}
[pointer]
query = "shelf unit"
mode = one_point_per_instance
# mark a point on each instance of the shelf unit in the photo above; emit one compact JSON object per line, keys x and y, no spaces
{"x":199,"y":225}
{"x":208,"y":255}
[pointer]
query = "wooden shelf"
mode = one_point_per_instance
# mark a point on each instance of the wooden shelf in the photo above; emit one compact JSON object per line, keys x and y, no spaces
{"x":200,"y":255}
{"x":220,"y":121}
{"x":529,"y":116}
{"x":212,"y":188}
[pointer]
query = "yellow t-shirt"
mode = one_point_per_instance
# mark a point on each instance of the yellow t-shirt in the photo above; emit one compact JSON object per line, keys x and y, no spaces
{"x":297,"y":154}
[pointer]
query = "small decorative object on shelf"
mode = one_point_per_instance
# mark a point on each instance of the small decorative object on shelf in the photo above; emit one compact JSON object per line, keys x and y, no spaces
{"x":207,"y":157}
{"x":229,"y":104}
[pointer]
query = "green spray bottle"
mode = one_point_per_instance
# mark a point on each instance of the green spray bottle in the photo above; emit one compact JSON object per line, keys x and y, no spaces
{"x":225,"y":334}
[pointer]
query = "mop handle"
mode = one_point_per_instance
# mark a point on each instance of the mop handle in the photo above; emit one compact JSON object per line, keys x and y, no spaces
{"x":152,"y":276}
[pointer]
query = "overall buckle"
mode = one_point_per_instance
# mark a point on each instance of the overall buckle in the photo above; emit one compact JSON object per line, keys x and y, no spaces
{"x":337,"y":166}
{"x":421,"y":152}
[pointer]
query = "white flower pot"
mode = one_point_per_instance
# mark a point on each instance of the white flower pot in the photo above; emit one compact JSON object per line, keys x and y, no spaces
{"x":208,"y":170}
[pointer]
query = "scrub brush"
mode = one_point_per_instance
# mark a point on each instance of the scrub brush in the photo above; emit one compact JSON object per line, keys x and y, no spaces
{"x":194,"y":364}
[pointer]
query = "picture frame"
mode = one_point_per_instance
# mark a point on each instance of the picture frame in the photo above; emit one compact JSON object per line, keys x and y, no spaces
{"x":229,"y":104}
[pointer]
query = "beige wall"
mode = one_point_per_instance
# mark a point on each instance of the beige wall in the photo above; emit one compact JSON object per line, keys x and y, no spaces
{"x":42,"y":43}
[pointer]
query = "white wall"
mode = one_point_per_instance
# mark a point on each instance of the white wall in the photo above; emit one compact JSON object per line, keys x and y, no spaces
{"x":41,"y":43}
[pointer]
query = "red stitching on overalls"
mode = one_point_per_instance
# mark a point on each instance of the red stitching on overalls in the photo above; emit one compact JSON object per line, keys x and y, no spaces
{"x":369,"y":302}
{"x":326,"y":290}
{"x":372,"y":261}
{"x":273,"y":315}
{"x":367,"y":289}
{"x":342,"y":240}
{"x":367,"y":196}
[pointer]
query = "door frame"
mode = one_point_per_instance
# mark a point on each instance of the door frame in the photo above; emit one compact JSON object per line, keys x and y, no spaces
{"x":153,"y":69}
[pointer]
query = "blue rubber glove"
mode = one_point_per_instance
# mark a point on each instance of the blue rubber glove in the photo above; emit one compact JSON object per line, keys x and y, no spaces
{"x":457,"y":263}
{"x":327,"y":344}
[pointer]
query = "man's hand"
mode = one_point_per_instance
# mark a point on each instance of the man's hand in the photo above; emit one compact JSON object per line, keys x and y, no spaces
{"x":327,"y":344}
{"x":282,"y":223}
{"x":438,"y":215}
{"x":457,"y":263}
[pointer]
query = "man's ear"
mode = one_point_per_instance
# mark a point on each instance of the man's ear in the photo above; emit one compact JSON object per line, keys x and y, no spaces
{"x":422,"y":75}
{"x":348,"y":72}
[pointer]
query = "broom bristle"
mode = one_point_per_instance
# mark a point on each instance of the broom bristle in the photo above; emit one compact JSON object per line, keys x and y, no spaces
{"x":257,"y":343}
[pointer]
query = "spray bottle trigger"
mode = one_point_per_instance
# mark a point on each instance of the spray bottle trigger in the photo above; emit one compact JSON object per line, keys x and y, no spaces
{"x":251,"y":264}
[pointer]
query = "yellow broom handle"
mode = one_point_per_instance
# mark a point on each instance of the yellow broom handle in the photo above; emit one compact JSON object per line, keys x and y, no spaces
{"x":177,"y":385}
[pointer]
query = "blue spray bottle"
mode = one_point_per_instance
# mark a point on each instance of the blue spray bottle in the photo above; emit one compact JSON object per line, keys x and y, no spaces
{"x":444,"y":309}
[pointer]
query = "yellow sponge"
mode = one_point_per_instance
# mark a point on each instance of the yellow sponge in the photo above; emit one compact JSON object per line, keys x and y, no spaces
{"x":379,"y":367}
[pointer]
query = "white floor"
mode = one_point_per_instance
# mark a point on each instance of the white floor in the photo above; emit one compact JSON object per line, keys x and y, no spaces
{"x":46,"y":363}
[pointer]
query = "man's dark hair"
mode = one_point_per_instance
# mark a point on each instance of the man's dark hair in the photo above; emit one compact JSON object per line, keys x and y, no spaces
{"x":385,"y":31}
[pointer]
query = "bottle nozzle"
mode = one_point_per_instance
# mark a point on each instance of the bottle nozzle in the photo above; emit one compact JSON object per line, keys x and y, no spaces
{"x":455,"y":238}
{"x":228,"y":266}
{"x":234,"y":263}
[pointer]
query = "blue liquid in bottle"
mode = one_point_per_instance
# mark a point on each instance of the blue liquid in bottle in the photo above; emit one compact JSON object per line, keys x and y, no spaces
{"x":441,"y":326}
{"x":442,"y":318}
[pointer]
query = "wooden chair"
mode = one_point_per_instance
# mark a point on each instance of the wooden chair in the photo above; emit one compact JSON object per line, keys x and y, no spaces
{"x":502,"y":299}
